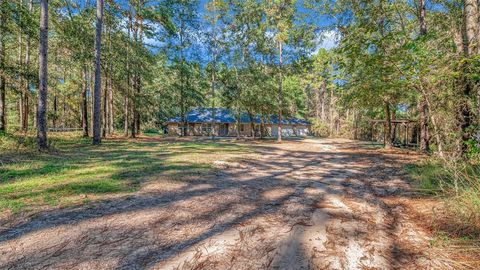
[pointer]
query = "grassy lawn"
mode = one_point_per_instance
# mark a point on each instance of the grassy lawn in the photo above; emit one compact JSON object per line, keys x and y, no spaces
{"x":76,"y":172}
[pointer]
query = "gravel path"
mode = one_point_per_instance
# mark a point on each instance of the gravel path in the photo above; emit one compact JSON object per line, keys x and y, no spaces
{"x":312,"y":204}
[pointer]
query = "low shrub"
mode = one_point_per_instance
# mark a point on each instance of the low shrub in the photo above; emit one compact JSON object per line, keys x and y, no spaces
{"x":319,"y":128}
{"x":151,"y":131}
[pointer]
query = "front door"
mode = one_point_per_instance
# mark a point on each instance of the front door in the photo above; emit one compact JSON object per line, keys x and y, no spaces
{"x":223,"y":130}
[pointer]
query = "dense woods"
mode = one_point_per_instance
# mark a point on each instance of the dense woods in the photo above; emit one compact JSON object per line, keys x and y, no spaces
{"x":127,"y":66}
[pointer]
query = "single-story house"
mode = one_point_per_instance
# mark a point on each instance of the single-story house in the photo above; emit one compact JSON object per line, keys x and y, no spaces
{"x":223,"y":122}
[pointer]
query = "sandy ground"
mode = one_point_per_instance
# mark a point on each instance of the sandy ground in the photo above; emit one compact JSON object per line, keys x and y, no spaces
{"x":313,"y":204}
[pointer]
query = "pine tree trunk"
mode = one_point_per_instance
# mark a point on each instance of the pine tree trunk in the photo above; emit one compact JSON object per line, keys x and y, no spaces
{"x":3,"y":118}
{"x":105,"y":107}
{"x":424,"y":136}
{"x":422,"y":105}
{"x":84,"y":102}
{"x":393,"y":116}
{"x":422,"y":17}
{"x":252,"y":124}
{"x":471,"y":26}
{"x":238,"y":127}
{"x":388,"y":126}
{"x":109,"y":119}
{"x":20,"y":67}
{"x":137,"y":36}
{"x":126,"y":107}
{"x":110,"y":104}
{"x":64,"y":113}
{"x":97,"y":97}
{"x":125,"y":116}
{"x":26,"y":107}
{"x":133,"y":133}
{"x":91,"y":86}
{"x":43,"y":76}
{"x":105,"y":91}
{"x":464,"y":112}
{"x":280,"y":92}
{"x":331,"y":114}
{"x":54,"y":119}
{"x":355,"y":124}
{"x":322,"y":101}
{"x":137,"y":112}
{"x":212,"y":130}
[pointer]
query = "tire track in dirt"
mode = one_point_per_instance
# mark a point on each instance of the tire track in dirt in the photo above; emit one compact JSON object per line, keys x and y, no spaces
{"x":314,"y":204}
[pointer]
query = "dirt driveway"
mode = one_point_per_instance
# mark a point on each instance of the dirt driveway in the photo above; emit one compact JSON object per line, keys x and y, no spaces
{"x":313,"y":204}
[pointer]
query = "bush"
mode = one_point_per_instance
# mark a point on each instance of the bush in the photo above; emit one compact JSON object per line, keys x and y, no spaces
{"x":473,"y":147}
{"x":319,"y":128}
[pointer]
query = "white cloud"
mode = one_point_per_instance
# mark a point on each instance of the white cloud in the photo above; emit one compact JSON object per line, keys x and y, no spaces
{"x":327,"y":40}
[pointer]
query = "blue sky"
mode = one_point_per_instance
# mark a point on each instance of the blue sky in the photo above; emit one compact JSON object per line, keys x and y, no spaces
{"x":326,"y":33}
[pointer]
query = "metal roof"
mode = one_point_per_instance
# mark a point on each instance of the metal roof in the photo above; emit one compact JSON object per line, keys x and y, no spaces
{"x":222,"y":115}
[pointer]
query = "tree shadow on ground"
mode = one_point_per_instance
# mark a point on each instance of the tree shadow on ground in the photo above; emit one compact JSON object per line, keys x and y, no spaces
{"x":230,"y":197}
{"x":115,"y":167}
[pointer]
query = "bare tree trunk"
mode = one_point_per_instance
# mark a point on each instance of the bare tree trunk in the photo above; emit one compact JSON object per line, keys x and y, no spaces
{"x":105,"y":107}
{"x":387,"y":136}
{"x":132,"y":123}
{"x":97,"y":97}
{"x":26,"y":102}
{"x":422,"y":17}
{"x":355,"y":125}
{"x":422,"y":103}
{"x":3,"y":118}
{"x":262,"y":127}
{"x":322,"y":101}
{"x":138,"y":36}
{"x":43,"y":76}
{"x":393,"y":117}
{"x":110,"y":103}
{"x":134,"y":129}
{"x":280,"y":92}
{"x":424,"y":136}
{"x":471,"y":26}
{"x":35,"y":121}
{"x":331,"y":113}
{"x":20,"y":67}
{"x":91,"y":85}
{"x":54,"y":119}
{"x":84,"y":105}
{"x":238,"y":127}
{"x":64,"y":113}
{"x":469,"y":31}
{"x":252,"y":124}
{"x":109,"y":120}
{"x":125,"y":117}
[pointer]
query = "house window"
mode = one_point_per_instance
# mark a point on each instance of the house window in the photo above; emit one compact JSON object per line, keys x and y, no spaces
{"x":206,"y":128}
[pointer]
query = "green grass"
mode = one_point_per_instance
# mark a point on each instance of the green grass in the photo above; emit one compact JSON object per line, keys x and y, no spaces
{"x":429,"y":176}
{"x":459,"y":185}
{"x":437,"y":177}
{"x":76,"y":172}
